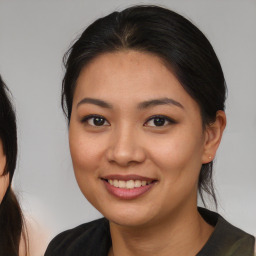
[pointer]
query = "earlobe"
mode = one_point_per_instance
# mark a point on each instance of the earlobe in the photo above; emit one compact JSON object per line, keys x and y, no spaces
{"x":213,"y":135}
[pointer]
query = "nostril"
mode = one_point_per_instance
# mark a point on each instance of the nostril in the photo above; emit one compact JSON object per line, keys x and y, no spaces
{"x":125,"y":156}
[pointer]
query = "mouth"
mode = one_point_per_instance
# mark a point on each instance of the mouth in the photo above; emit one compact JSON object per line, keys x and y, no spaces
{"x":130,"y":184}
{"x":128,"y":187}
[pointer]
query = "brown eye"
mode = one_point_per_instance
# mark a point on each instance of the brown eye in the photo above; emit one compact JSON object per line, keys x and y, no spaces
{"x":158,"y":121}
{"x":96,"y":121}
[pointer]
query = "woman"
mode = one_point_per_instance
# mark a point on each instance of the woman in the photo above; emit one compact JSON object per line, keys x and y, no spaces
{"x":11,"y":219}
{"x":144,"y":94}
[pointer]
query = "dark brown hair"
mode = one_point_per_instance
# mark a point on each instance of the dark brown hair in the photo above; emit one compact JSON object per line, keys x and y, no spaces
{"x":159,"y":31}
{"x":11,"y":218}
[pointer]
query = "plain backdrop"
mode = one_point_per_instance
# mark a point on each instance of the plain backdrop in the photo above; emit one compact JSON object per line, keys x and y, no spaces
{"x":34,"y":35}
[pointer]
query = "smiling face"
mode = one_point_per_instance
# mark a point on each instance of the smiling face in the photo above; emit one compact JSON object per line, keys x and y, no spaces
{"x":136,"y":139}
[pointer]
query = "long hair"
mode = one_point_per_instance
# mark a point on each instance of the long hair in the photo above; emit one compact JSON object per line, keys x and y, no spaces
{"x":11,"y":218}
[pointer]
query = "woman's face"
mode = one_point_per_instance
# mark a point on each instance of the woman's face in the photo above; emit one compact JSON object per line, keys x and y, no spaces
{"x":4,"y":180}
{"x":136,"y":139}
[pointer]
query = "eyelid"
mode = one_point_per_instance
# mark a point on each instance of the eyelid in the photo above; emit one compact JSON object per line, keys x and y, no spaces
{"x":86,"y":118}
{"x":170,"y":120}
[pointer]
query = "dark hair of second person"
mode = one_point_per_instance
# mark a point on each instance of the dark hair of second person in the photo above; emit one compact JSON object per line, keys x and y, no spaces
{"x":11,"y":218}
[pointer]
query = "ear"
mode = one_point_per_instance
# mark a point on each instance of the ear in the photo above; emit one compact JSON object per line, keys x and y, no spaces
{"x":213,"y":135}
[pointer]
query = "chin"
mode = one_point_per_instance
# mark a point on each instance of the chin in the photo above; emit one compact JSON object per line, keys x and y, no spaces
{"x":129,"y":216}
{"x":130,"y":221}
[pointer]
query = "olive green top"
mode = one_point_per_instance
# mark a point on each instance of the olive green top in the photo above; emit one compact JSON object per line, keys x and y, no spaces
{"x":93,"y":239}
{"x":226,"y":240}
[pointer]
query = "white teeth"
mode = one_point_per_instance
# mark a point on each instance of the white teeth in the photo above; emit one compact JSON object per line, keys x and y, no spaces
{"x":121,"y":184}
{"x":130,"y":184}
{"x":116,"y":183}
{"x":143,"y":183}
{"x":137,"y":183}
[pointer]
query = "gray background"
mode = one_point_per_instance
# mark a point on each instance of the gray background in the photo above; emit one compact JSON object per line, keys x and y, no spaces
{"x":34,"y":35}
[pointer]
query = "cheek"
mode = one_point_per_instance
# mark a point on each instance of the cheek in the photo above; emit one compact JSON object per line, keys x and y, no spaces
{"x":84,"y":148}
{"x":4,"y":180}
{"x":84,"y":154}
{"x":178,"y":159}
{"x":178,"y":153}
{"x":84,"y":163}
{"x":4,"y":183}
{"x":87,"y":154}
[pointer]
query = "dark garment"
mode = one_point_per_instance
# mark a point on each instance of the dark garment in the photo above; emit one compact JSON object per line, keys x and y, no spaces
{"x":93,"y":239}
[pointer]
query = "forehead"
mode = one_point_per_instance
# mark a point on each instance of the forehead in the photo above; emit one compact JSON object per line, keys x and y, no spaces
{"x":126,"y":75}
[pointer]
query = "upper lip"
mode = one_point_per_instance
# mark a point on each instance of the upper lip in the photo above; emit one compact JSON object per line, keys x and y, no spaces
{"x":126,"y":177}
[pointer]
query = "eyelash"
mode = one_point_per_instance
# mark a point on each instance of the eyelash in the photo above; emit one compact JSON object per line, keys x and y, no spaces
{"x":93,"y":117}
{"x":165,"y":118}
{"x":152,"y":118}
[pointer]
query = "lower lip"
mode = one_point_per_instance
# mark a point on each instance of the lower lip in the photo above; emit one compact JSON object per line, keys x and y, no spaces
{"x":127,"y":194}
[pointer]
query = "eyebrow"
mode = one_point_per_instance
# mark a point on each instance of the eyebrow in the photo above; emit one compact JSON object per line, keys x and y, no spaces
{"x":97,"y":102}
{"x":142,"y":105}
{"x":161,"y":101}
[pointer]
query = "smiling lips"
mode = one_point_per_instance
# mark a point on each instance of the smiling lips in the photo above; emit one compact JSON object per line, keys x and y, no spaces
{"x":130,"y":184}
{"x":128,"y":187}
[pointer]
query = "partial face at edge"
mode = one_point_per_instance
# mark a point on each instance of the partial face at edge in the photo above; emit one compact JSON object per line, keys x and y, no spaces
{"x":131,"y":116}
{"x":4,"y":180}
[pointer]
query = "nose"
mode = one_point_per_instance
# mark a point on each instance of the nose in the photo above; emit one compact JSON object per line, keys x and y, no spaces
{"x":126,"y":147}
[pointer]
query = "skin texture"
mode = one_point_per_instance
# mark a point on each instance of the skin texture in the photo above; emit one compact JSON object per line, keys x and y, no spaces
{"x":38,"y":238}
{"x":4,"y":180}
{"x":164,"y":220}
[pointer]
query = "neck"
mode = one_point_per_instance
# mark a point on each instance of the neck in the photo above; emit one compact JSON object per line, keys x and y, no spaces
{"x":183,"y":233}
